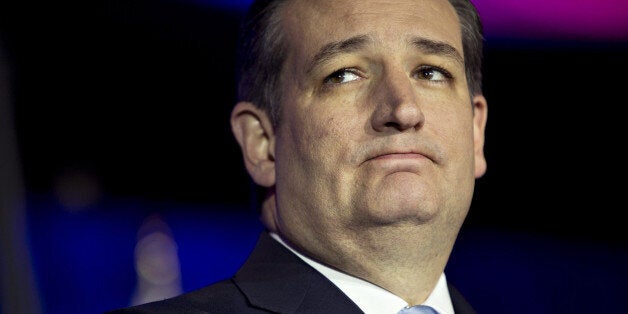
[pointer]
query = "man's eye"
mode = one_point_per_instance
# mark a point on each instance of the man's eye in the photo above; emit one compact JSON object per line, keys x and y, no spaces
{"x":431,"y":73}
{"x":342,"y":76}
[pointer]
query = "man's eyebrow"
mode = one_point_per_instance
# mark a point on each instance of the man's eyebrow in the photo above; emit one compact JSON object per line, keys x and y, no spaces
{"x":337,"y":47}
{"x":433,"y":47}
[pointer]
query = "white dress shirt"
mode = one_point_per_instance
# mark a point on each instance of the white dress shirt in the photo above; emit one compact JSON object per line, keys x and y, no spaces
{"x":373,"y":299}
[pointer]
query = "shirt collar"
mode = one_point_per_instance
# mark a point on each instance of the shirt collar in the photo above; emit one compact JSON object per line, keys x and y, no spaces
{"x":373,"y":299}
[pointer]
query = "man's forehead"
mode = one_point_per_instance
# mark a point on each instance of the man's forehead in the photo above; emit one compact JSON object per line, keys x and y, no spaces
{"x":328,"y":20}
{"x":302,"y":9}
{"x":320,"y":28}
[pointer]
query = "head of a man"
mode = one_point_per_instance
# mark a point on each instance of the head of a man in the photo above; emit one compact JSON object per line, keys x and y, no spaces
{"x":262,"y":52}
{"x":365,"y":120}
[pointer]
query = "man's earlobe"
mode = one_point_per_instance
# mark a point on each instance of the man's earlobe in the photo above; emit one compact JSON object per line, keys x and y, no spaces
{"x":254,"y":133}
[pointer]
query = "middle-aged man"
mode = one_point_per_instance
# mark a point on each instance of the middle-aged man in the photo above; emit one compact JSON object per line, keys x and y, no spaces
{"x":364,"y":120}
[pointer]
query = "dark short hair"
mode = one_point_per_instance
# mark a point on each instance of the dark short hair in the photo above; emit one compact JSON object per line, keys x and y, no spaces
{"x":262,"y":52}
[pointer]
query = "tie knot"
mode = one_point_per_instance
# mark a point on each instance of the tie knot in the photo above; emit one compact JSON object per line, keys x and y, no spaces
{"x":418,"y":309}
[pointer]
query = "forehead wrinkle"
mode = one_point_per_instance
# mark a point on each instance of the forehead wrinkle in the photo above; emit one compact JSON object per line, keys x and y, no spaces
{"x":338,"y":47}
{"x":433,"y":47}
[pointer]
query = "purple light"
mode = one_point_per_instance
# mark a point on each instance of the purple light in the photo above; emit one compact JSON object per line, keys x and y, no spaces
{"x":555,"y":19}
{"x":586,"y":20}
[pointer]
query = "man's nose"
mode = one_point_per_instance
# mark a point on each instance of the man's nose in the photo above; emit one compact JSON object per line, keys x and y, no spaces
{"x":397,"y":104}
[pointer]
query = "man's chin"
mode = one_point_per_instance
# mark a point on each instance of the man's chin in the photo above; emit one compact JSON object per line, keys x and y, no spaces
{"x":400,"y":214}
{"x":408,"y":198}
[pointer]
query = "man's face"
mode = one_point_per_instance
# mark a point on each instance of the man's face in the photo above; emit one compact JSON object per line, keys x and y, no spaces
{"x":377,"y":124}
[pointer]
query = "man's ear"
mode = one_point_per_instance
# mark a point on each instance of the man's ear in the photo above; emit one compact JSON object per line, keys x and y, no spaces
{"x":253,"y":130}
{"x":480,"y":114}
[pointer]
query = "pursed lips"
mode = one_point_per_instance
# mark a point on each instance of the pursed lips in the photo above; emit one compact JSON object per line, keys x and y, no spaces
{"x":388,"y":151}
{"x":403,"y":161}
{"x":399,"y":155}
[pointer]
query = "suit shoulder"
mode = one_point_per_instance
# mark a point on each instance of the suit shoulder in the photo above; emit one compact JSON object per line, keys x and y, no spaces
{"x":220,"y":297}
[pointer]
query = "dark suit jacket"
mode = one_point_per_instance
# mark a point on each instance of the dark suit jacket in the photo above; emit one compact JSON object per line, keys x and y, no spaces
{"x":272,"y":280}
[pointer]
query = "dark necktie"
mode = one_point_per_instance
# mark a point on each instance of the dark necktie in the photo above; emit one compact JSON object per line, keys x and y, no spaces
{"x":418,"y":309}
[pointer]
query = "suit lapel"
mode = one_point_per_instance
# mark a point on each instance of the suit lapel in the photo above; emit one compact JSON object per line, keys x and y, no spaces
{"x":461,"y":306}
{"x":275,"y":279}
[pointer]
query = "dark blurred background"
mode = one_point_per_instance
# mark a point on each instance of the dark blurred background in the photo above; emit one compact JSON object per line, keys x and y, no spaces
{"x":115,"y":127}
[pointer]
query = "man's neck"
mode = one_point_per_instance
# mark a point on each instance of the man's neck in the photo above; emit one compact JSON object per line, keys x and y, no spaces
{"x":407,"y":263}
{"x":372,"y":298}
